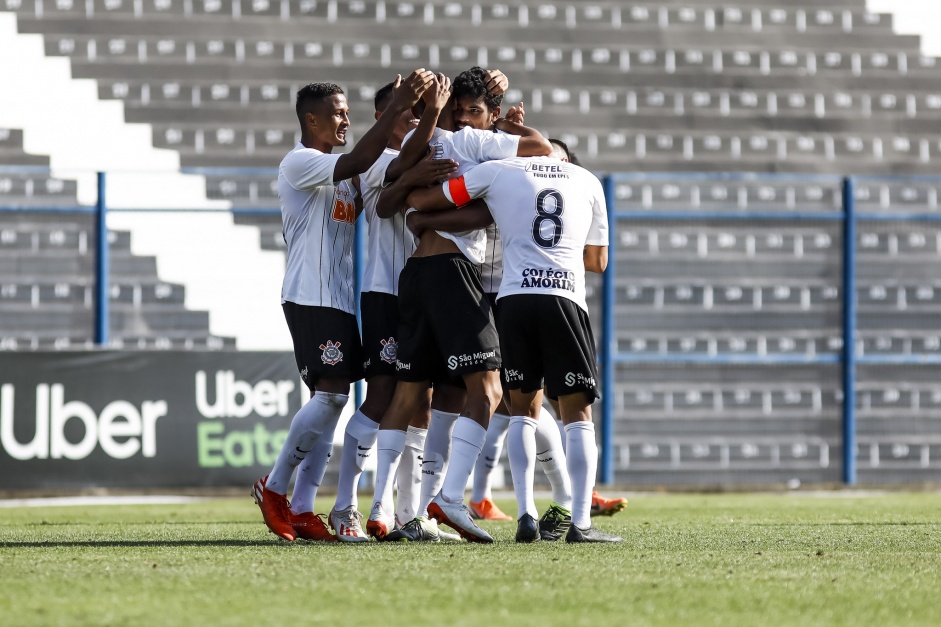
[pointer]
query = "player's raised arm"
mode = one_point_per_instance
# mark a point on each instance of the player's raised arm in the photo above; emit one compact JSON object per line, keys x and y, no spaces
{"x":392,"y":199}
{"x":436,"y":99}
{"x":370,"y":146}
{"x":532,"y":143}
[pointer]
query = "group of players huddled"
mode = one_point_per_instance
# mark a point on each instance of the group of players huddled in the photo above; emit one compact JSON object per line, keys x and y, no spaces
{"x":473,"y":302}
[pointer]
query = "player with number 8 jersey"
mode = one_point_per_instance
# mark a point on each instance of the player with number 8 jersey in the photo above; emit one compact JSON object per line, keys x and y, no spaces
{"x":552,"y":220}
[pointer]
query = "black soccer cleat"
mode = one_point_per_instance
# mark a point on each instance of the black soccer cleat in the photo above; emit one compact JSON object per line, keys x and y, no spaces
{"x":527,"y":529}
{"x":554,"y":523}
{"x":591,"y":534}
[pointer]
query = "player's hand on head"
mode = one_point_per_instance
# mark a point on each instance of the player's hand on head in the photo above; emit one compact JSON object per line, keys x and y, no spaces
{"x":438,"y":94}
{"x":411,"y":88}
{"x":516,"y":115}
{"x":497,"y":82}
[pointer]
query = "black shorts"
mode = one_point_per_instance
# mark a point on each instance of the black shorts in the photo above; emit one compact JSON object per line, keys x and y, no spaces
{"x":494,"y":305}
{"x":380,"y":317}
{"x":547,"y":340}
{"x":326,"y":342}
{"x":446,"y":326}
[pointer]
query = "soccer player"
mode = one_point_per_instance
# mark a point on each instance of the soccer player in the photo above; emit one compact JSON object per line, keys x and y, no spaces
{"x":553,"y":222}
{"x":319,"y":205}
{"x":439,"y":292}
{"x":389,"y":245}
{"x":550,"y":450}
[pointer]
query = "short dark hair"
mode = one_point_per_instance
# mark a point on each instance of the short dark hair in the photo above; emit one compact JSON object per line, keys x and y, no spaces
{"x":309,"y":96}
{"x":383,"y":94}
{"x":561,"y":144}
{"x":472,"y":83}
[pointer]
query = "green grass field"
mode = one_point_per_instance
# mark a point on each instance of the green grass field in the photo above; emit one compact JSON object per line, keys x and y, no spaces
{"x":787,"y":559}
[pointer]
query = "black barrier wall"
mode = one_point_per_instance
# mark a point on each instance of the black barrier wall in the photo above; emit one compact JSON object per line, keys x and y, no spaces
{"x":143,"y":420}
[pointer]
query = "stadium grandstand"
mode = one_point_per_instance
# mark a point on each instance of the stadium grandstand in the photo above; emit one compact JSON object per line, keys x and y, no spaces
{"x":724,"y":129}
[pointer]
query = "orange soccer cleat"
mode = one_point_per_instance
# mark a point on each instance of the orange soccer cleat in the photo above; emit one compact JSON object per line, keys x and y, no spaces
{"x":310,"y":526}
{"x":275,"y":509}
{"x":602,"y":506}
{"x":487,"y":510}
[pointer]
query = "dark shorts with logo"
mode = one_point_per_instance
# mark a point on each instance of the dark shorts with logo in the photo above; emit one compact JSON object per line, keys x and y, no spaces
{"x":446,"y":325}
{"x":547,"y":341}
{"x":326,"y":342}
{"x":379,"y":313}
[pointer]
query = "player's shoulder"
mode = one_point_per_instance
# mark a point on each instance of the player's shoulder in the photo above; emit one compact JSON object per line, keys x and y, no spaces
{"x":300,"y":154}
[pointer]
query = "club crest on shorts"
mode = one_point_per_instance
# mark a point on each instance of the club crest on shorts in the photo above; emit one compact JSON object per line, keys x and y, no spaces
{"x":390,"y":349}
{"x":331,"y":353}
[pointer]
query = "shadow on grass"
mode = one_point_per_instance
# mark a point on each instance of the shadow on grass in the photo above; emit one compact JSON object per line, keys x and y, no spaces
{"x":149,"y":543}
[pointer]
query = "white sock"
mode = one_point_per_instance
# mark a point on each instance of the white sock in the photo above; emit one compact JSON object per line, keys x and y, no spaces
{"x":436,"y":455}
{"x":561,"y":428}
{"x":582,"y":454}
{"x":358,"y":440}
{"x":408,"y":479}
{"x":521,"y":446}
{"x":310,"y":472}
{"x":466,"y":442}
{"x":390,"y":444}
{"x":308,"y":423}
{"x":551,"y":456}
{"x":489,"y":457}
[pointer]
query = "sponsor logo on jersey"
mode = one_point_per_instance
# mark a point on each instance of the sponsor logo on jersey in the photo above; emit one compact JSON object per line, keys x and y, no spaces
{"x":401,"y":365}
{"x":469,"y":360}
{"x":304,"y":374}
{"x":551,"y":278}
{"x":512,"y":375}
{"x":331,"y":353}
{"x":577,"y":378}
{"x":389,"y":349}
{"x":437,"y":150}
{"x":546,"y":171}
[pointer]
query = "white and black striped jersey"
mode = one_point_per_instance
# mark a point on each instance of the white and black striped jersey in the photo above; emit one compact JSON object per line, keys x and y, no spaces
{"x":469,"y":147}
{"x":390,"y":242}
{"x":491,"y":270}
{"x":547,"y":211}
{"x":318,"y":223}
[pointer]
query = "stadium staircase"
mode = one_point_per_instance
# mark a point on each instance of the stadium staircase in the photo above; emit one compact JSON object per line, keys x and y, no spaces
{"x":753,"y":86}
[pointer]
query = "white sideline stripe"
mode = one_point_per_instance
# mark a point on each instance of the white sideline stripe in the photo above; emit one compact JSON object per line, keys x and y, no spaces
{"x":71,"y":501}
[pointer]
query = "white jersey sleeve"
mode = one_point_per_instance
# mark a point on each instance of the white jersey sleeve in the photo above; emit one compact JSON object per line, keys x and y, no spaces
{"x":306,"y":169}
{"x":598,"y":231}
{"x":473,"y":146}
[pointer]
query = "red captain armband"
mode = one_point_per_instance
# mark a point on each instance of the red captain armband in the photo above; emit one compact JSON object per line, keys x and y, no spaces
{"x":458,"y":191}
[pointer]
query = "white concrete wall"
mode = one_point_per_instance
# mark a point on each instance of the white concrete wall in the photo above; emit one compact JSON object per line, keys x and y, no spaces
{"x":914,"y":17}
{"x":221,"y":264}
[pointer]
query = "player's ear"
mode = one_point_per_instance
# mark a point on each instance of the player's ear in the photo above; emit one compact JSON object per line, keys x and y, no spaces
{"x":310,"y":119}
{"x":495,"y":115}
{"x":377,"y":115}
